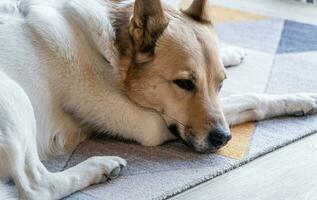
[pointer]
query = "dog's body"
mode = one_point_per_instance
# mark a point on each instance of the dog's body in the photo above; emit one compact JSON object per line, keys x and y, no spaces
{"x":60,"y":62}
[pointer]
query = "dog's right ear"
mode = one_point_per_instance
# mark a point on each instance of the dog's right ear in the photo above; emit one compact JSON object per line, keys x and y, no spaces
{"x":146,"y":25}
{"x":197,"y":9}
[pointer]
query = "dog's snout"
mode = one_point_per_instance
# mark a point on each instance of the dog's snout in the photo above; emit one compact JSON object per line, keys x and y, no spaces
{"x":219,"y":137}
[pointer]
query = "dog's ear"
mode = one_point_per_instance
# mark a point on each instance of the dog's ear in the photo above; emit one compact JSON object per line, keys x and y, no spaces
{"x":146,"y":25}
{"x":197,"y":9}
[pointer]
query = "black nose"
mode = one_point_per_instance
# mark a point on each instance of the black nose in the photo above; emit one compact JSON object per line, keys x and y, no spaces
{"x":219,"y":137}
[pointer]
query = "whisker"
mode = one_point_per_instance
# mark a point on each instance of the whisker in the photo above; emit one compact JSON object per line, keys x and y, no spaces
{"x":175,"y":120}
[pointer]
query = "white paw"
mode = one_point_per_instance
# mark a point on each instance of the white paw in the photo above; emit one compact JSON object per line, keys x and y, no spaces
{"x":232,"y":56}
{"x":108,"y":167}
{"x":156,"y":139}
{"x":154,"y":133}
{"x":306,"y":104}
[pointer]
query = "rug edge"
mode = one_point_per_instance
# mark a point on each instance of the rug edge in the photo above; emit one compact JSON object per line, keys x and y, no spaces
{"x":205,"y":179}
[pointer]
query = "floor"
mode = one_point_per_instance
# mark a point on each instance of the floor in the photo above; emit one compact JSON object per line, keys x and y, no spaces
{"x":288,"y":173}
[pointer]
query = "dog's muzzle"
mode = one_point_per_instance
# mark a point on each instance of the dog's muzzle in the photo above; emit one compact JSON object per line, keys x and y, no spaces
{"x":216,"y":138}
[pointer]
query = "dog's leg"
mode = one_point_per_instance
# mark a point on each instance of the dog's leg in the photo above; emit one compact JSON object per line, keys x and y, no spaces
{"x":232,"y":56}
{"x":123,"y":118}
{"x":115,"y":114}
{"x":19,"y":155}
{"x":254,"y":107}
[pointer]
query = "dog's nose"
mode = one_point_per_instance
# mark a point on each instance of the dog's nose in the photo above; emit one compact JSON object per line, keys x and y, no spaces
{"x":219,"y":137}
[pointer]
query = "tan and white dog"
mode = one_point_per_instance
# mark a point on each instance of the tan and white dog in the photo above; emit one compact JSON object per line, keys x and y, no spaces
{"x":142,"y":71}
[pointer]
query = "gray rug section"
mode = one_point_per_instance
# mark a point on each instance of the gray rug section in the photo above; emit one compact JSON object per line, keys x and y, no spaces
{"x":151,"y":171}
{"x":262,"y":35}
{"x":295,"y":72}
{"x":160,"y":172}
{"x":275,"y":133}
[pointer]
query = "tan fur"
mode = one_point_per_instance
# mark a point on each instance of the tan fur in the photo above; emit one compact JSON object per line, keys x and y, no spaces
{"x":197,"y":9}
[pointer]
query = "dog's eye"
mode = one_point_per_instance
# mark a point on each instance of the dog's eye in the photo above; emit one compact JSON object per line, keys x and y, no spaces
{"x":185,"y":84}
{"x":220,"y":87}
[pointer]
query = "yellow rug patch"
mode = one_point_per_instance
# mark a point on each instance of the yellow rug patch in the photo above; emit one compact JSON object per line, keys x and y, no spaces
{"x":238,"y":146}
{"x":221,"y":14}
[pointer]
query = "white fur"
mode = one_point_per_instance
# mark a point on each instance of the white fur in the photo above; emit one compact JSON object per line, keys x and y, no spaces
{"x":58,"y":60}
{"x":9,"y":7}
{"x":255,"y":107}
{"x":4,"y":193}
{"x":61,"y":69}
{"x":232,"y":56}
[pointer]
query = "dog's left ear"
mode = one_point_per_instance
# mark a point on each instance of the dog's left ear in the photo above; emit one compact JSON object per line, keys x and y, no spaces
{"x":197,"y":9}
{"x":147,"y":24}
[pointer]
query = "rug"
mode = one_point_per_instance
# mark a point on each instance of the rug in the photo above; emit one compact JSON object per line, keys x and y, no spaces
{"x":282,"y":58}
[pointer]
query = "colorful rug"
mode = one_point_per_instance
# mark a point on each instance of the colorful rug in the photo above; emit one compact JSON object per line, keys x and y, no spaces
{"x":282,"y":58}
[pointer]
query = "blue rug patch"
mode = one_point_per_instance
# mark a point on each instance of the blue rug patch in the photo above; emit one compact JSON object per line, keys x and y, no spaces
{"x":298,"y":37}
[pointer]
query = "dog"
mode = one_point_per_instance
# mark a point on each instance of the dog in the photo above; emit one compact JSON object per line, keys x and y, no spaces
{"x":141,"y":70}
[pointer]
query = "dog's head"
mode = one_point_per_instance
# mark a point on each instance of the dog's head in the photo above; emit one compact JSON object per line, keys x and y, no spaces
{"x":170,"y":63}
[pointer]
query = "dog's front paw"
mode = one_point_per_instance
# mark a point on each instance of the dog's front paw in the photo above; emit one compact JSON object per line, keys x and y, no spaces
{"x":232,"y":56}
{"x":306,"y":104}
{"x":106,"y":167}
{"x":156,"y":138}
{"x":156,"y":135}
{"x":154,"y":132}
